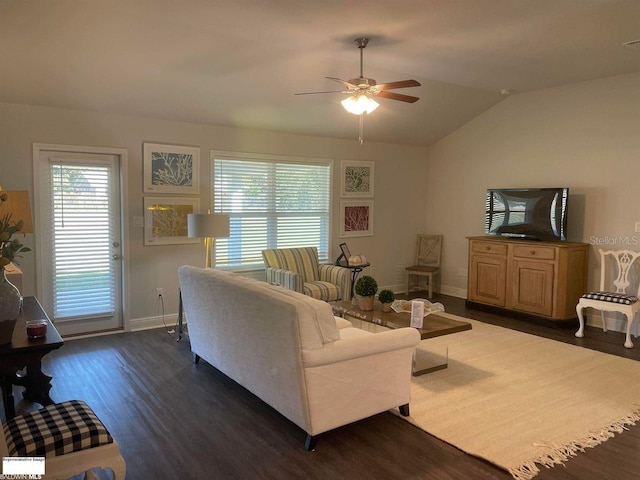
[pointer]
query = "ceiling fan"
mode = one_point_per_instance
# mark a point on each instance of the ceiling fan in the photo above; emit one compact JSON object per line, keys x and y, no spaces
{"x":362,"y":90}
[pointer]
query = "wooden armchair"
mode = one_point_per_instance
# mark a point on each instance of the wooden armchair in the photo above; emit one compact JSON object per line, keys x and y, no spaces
{"x":428,"y":253}
{"x":298,"y":269}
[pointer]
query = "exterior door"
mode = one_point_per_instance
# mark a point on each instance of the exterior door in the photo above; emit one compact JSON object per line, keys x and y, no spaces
{"x":79,"y":240}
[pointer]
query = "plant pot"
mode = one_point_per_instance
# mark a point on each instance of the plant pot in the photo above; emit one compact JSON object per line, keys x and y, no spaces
{"x":10,"y":301}
{"x":366,"y":303}
{"x":386,"y":307}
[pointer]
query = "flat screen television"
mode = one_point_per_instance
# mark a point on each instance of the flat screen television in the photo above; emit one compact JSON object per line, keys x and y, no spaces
{"x":532,"y":213}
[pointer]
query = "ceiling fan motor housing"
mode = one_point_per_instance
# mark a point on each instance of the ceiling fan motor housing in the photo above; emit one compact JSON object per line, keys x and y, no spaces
{"x":363,"y":82}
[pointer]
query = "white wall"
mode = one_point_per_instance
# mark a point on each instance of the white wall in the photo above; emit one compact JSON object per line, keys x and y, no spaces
{"x":399,"y":210}
{"x":584,"y":136}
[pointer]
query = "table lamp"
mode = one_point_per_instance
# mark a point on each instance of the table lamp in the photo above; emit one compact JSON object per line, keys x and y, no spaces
{"x":208,"y":226}
{"x":18,"y":206}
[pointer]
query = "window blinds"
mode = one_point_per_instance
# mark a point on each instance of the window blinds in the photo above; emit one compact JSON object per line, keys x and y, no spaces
{"x":81,"y":235}
{"x":272,"y":204}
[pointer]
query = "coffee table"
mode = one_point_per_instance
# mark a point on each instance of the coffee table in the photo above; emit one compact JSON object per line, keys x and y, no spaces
{"x":434,"y":325}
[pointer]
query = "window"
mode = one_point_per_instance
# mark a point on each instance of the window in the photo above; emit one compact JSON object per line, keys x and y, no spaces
{"x":273,"y":202}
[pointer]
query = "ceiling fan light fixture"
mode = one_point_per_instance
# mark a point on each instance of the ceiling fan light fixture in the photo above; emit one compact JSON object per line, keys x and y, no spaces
{"x":359,"y":104}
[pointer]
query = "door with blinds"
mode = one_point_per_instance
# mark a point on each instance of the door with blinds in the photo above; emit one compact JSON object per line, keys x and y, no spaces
{"x":79,"y":241}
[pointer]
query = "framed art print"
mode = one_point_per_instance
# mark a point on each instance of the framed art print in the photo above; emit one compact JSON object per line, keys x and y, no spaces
{"x":165,"y":220}
{"x":357,"y":178}
{"x":171,"y":169}
{"x":356,"y":218}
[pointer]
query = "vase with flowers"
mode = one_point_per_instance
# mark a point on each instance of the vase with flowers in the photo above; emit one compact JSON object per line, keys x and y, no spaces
{"x":10,"y":248}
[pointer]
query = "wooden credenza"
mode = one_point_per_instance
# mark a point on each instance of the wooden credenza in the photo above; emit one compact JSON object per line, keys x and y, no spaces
{"x":538,"y":279}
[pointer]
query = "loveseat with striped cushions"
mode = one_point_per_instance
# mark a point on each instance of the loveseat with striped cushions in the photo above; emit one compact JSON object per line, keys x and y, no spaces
{"x":298,"y":269}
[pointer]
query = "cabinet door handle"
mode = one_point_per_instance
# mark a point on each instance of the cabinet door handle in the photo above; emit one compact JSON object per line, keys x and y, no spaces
{"x":533,"y":252}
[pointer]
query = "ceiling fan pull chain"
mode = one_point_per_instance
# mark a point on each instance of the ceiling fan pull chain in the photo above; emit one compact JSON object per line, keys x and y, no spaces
{"x":361,"y":135}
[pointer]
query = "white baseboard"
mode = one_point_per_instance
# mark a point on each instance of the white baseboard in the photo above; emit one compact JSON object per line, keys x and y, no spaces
{"x":454,"y":291}
{"x":397,"y":289}
{"x":447,"y":290}
{"x":146,"y":323}
{"x":593,"y":319}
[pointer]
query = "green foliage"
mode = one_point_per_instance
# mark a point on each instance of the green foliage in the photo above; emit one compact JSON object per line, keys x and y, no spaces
{"x":366,"y":286}
{"x":386,"y":296}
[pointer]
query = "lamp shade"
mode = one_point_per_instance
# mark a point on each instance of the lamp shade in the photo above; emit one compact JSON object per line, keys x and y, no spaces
{"x":359,"y":104}
{"x":17,"y":204}
{"x":202,"y":225}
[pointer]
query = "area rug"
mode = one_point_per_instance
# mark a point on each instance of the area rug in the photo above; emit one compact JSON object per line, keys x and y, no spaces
{"x":521,"y":401}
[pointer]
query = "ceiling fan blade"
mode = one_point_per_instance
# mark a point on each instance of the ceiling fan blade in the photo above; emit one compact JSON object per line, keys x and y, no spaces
{"x":329,"y":91}
{"x":350,"y":86}
{"x":397,"y":96}
{"x":400,"y":84}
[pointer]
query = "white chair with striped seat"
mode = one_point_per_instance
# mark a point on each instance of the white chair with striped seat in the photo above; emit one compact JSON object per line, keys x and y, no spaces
{"x":616,"y":301}
{"x":71,"y":438}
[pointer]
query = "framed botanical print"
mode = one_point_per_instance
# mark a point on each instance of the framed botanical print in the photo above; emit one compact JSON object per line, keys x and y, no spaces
{"x":356,"y":218}
{"x":171,"y":169}
{"x":357,"y":178}
{"x":165,"y":220}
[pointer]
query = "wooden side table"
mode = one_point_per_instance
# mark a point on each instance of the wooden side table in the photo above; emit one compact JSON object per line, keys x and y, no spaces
{"x":24,"y":353}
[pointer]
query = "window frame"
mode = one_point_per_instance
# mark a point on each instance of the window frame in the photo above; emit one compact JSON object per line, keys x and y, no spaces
{"x":273,"y":159}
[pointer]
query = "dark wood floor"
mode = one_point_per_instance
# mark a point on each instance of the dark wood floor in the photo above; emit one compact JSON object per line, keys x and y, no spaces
{"x":177,"y":420}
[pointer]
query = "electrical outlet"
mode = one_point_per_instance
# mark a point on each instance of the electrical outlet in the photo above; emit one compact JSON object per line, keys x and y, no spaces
{"x":160,"y":292}
{"x":637,"y":227}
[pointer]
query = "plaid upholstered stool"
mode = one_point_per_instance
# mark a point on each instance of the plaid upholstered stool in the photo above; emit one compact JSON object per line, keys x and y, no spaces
{"x":70,"y":437}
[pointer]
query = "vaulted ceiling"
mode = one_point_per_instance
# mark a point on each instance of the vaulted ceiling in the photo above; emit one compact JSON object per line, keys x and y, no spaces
{"x":239,"y":62}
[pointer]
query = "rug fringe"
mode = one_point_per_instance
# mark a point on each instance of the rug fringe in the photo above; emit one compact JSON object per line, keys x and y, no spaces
{"x":559,"y":454}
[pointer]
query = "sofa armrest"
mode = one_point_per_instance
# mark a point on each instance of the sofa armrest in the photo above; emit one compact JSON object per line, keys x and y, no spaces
{"x":285,"y":278}
{"x":342,"y":323}
{"x":339,"y":276}
{"x":349,"y":348}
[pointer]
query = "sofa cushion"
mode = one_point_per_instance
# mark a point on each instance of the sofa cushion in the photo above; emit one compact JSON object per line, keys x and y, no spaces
{"x":342,"y":323}
{"x":352,"y":332}
{"x":55,"y":430}
{"x":303,"y":261}
{"x":620,"y":298}
{"x":318,"y":318}
{"x":322,"y":291}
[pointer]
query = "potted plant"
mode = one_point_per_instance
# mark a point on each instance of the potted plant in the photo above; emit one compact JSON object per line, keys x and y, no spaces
{"x":386,"y":298}
{"x":366,"y":288}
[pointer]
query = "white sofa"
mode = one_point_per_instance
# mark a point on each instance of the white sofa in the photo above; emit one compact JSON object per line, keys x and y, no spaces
{"x":289,"y":350}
